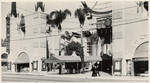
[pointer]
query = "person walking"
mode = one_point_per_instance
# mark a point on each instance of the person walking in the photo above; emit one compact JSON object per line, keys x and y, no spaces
{"x":97,"y":68}
{"x":94,"y":74}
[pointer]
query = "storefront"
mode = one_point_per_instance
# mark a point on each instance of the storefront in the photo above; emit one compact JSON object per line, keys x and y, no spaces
{"x":4,"y":61}
{"x":74,"y":61}
{"x":140,"y":60}
{"x":22,"y":63}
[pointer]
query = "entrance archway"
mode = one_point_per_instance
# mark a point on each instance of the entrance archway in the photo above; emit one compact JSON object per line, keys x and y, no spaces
{"x":140,"y":59}
{"x":22,"y":63}
{"x":4,"y":58}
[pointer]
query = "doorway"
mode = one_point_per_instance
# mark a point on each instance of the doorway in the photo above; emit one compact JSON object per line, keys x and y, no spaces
{"x":24,"y":67}
{"x":140,"y":67}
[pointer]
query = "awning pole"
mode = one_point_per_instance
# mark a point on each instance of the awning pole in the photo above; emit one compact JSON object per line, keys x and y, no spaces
{"x":101,"y":65}
{"x":77,"y":67}
{"x":60,"y":69}
{"x":16,"y":67}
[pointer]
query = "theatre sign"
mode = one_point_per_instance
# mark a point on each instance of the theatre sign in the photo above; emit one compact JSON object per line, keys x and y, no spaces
{"x":8,"y":34}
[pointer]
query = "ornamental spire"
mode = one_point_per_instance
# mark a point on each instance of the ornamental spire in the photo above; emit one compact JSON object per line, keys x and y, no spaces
{"x":39,"y":4}
{"x":13,"y":9}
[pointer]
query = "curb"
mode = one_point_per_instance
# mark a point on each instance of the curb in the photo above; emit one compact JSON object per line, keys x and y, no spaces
{"x":102,"y":77}
{"x":124,"y":78}
{"x":33,"y":74}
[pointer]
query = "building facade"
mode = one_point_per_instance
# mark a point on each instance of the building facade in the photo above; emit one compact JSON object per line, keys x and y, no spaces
{"x":29,"y":47}
{"x":130,"y":39}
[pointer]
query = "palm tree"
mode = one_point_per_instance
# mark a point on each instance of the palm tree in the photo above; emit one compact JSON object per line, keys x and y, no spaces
{"x":81,"y":14}
{"x":67,"y":37}
{"x":55,"y":19}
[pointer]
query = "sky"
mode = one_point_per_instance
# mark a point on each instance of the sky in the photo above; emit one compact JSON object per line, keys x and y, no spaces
{"x":27,"y":8}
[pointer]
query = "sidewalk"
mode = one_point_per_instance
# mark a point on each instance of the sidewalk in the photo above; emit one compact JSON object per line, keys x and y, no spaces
{"x":104,"y":76}
{"x":86,"y":75}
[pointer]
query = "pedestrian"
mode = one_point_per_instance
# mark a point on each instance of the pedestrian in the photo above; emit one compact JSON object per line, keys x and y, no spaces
{"x":97,"y":68}
{"x":94,"y":74}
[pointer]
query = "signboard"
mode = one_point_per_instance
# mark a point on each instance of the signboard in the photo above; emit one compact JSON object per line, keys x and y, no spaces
{"x":35,"y":65}
{"x":8,"y":34}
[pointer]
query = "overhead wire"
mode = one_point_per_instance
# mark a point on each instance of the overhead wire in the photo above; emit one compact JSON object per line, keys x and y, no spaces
{"x":94,"y":4}
{"x":70,"y":18}
{"x":41,"y":36}
{"x":86,"y":29}
{"x":104,"y":3}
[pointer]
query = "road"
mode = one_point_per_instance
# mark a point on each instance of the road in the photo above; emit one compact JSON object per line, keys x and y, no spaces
{"x":33,"y":78}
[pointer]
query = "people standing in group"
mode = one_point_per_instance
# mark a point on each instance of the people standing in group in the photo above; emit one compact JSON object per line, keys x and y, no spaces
{"x":95,"y":69}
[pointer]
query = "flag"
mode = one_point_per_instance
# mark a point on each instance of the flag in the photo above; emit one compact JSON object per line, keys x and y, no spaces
{"x":101,"y":32}
{"x":139,"y":5}
{"x":22,"y":24}
{"x":87,"y":33}
{"x":77,"y":35}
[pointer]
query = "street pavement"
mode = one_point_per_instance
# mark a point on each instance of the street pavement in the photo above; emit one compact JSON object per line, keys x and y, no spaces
{"x":54,"y":77}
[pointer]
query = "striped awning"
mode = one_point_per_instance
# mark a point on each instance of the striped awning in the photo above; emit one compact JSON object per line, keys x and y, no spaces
{"x":4,"y":60}
{"x":61,"y":59}
{"x":92,"y":58}
{"x":65,"y":59}
{"x":22,"y":58}
{"x":140,"y":59}
{"x":141,"y":53}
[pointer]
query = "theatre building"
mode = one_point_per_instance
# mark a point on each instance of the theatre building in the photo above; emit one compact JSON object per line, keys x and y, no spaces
{"x":118,"y":39}
{"x":130,"y":38}
{"x":32,"y":49}
{"x":27,"y":40}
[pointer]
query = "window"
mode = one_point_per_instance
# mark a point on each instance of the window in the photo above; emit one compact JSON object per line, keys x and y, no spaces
{"x":3,"y":63}
{"x":89,"y":47}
